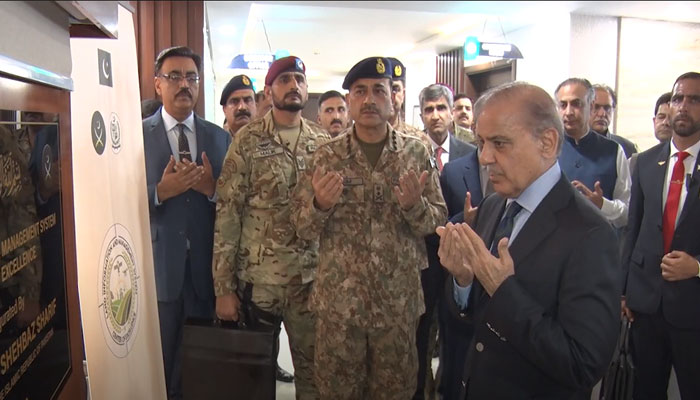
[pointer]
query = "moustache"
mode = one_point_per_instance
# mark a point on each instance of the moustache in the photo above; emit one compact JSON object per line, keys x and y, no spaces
{"x":369,"y":108}
{"x":336,"y":121}
{"x":185,"y":92}
{"x":292,"y":93}
{"x":242,"y":113}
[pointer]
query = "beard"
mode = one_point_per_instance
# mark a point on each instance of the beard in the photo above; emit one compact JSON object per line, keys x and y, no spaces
{"x":689,"y":129}
{"x":289,"y":106}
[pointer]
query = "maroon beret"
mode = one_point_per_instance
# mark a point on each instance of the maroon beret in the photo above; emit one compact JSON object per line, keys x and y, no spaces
{"x":285,"y":64}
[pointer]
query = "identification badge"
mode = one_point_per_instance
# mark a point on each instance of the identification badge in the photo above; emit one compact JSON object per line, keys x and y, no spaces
{"x":378,"y":193}
{"x":347,"y":181}
{"x":301,"y":163}
{"x":268,"y":152}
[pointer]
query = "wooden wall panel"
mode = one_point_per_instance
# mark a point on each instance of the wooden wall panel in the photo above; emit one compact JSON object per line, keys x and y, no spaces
{"x":162,"y":24}
{"x":450,"y":69}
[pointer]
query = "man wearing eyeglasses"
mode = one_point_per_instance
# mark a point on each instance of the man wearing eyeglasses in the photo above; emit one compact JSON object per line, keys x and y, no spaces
{"x":602,"y":110}
{"x":184,"y":154}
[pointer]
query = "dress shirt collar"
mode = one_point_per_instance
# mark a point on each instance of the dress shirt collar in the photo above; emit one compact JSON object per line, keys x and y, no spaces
{"x":169,"y":121}
{"x":692,"y":150}
{"x":445,"y":145}
{"x":532,"y":196}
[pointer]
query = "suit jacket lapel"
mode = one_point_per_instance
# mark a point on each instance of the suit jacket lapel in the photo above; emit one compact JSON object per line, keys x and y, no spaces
{"x":693,"y":191}
{"x":657,"y":172}
{"x":542,"y":222}
{"x":201,"y":139}
{"x":472,"y":178}
{"x":157,"y":129}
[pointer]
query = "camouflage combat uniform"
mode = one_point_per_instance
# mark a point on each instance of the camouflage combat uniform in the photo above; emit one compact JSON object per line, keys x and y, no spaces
{"x":257,"y":254}
{"x":464,"y":134}
{"x":367,"y":294}
{"x":411,"y":130}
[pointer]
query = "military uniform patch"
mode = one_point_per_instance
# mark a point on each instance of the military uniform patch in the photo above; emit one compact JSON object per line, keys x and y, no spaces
{"x":378,"y":193}
{"x":347,"y":181}
{"x":268,"y":152}
{"x":301,"y":163}
{"x":310,"y":148}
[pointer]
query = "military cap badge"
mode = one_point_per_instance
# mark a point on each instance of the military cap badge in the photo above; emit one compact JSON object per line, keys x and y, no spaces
{"x":245,"y":80}
{"x":397,"y":70}
{"x":380,"y":66}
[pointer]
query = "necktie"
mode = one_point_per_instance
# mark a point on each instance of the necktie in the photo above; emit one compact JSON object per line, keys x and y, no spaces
{"x":183,"y":146}
{"x":505,"y":228}
{"x":438,"y":157}
{"x":674,"y":196}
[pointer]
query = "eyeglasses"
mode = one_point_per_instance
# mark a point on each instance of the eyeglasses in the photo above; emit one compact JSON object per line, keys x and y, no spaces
{"x":192,"y":79}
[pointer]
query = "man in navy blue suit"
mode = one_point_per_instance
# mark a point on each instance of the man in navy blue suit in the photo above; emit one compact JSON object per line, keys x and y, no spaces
{"x":662,"y":253}
{"x":462,"y":182}
{"x":183,"y":156}
{"x":436,"y":111}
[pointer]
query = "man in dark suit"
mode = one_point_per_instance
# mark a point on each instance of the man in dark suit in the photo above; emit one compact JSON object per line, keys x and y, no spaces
{"x":462,"y":188}
{"x":183,"y":155}
{"x":602,"y":109}
{"x":436,"y":111}
{"x":543,"y":302}
{"x":662,"y":254}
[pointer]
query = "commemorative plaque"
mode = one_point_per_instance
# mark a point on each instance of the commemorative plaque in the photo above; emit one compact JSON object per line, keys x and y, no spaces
{"x":34,"y":342}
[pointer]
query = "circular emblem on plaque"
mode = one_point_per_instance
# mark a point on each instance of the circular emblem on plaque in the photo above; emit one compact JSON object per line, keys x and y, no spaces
{"x":118,"y":291}
{"x":98,"y":130}
{"x":115,"y":133}
{"x":46,"y":163}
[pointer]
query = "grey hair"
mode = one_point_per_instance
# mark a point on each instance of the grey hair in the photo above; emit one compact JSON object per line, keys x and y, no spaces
{"x":435,"y":92}
{"x":590,"y":92}
{"x":538,"y":110}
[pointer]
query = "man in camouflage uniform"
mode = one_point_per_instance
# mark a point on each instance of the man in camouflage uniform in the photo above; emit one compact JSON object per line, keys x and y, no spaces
{"x":372,"y":195}
{"x":238,"y":103}
{"x":398,"y":96}
{"x":260,"y":265}
{"x":463,"y":117}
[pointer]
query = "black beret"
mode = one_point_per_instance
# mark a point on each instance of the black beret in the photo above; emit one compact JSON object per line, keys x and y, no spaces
{"x":398,"y":71}
{"x":289,"y":63}
{"x":236,"y":83}
{"x":371,"y":67}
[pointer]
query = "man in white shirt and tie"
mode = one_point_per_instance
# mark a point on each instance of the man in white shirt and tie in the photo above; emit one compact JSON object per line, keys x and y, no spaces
{"x":661,"y":256}
{"x":436,"y":104}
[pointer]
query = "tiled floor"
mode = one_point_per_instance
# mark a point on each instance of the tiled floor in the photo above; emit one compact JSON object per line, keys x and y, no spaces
{"x":285,"y":391}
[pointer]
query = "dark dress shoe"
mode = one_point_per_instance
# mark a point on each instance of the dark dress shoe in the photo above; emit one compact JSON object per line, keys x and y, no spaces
{"x":284,"y":376}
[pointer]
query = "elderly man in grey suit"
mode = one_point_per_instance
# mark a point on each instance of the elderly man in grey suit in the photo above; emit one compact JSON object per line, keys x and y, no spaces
{"x":183,"y":155}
